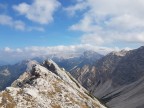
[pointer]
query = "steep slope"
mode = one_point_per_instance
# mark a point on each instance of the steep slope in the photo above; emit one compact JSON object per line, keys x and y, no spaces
{"x":128,"y":96}
{"x":104,"y":70}
{"x":119,"y":79}
{"x":47,"y":86}
{"x":128,"y":81}
{"x":93,"y":75}
{"x":130,"y":68}
{"x":85,"y":71}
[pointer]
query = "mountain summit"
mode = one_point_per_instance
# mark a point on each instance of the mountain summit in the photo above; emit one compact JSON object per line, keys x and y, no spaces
{"x":47,"y":86}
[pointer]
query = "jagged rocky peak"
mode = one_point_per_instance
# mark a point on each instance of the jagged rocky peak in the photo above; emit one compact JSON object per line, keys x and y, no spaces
{"x":54,"y":68}
{"x":30,"y":64}
{"x":142,"y":47}
{"x":120,"y":53}
{"x":47,"y":86}
{"x":51,"y":65}
{"x":91,"y":54}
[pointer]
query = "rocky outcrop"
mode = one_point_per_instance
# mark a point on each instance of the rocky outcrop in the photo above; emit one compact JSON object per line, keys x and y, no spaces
{"x":47,"y":86}
{"x":9,"y":73}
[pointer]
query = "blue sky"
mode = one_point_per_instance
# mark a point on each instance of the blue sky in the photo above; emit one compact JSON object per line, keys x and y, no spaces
{"x":55,"y":33}
{"x":31,"y":26}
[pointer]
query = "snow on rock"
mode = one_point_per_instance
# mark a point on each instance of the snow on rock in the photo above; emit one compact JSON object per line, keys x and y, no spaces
{"x":30,"y":64}
{"x":47,"y":86}
{"x":120,"y":53}
{"x":31,"y":91}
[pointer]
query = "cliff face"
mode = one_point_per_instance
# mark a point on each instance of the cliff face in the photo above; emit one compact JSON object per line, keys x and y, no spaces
{"x":47,"y":86}
{"x":85,"y":72}
{"x":117,"y":79}
{"x":130,"y":68}
{"x":93,"y":76}
{"x":128,"y":82}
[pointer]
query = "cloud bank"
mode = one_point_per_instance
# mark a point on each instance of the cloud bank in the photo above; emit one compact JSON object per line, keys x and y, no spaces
{"x":13,"y":55}
{"x":109,"y":21}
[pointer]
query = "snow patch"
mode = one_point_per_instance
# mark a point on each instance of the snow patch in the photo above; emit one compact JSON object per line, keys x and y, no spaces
{"x":31,"y":91}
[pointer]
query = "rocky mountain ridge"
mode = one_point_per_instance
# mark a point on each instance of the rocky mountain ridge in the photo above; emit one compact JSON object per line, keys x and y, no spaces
{"x":47,"y":86}
{"x":9,"y":73}
{"x":117,"y":79}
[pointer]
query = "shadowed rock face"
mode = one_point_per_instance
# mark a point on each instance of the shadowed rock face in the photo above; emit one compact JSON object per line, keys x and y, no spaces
{"x":127,"y":86}
{"x":94,"y":75}
{"x":47,"y":86}
{"x":85,"y":71}
{"x":117,"y":79}
{"x":50,"y":66}
{"x":127,"y":96}
{"x":130,"y":68}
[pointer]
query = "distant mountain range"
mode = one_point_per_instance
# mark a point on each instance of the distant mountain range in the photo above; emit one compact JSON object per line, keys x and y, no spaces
{"x":117,"y":78}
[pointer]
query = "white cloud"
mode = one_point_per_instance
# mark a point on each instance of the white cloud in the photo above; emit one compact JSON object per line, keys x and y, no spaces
{"x":7,"y":49}
{"x":107,"y":38}
{"x":110,"y":21}
{"x":72,"y":9}
{"x":9,"y":21}
{"x":17,"y":24}
{"x":19,"y":50}
{"x":13,"y":55}
{"x":94,"y":39}
{"x":40,"y":11}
